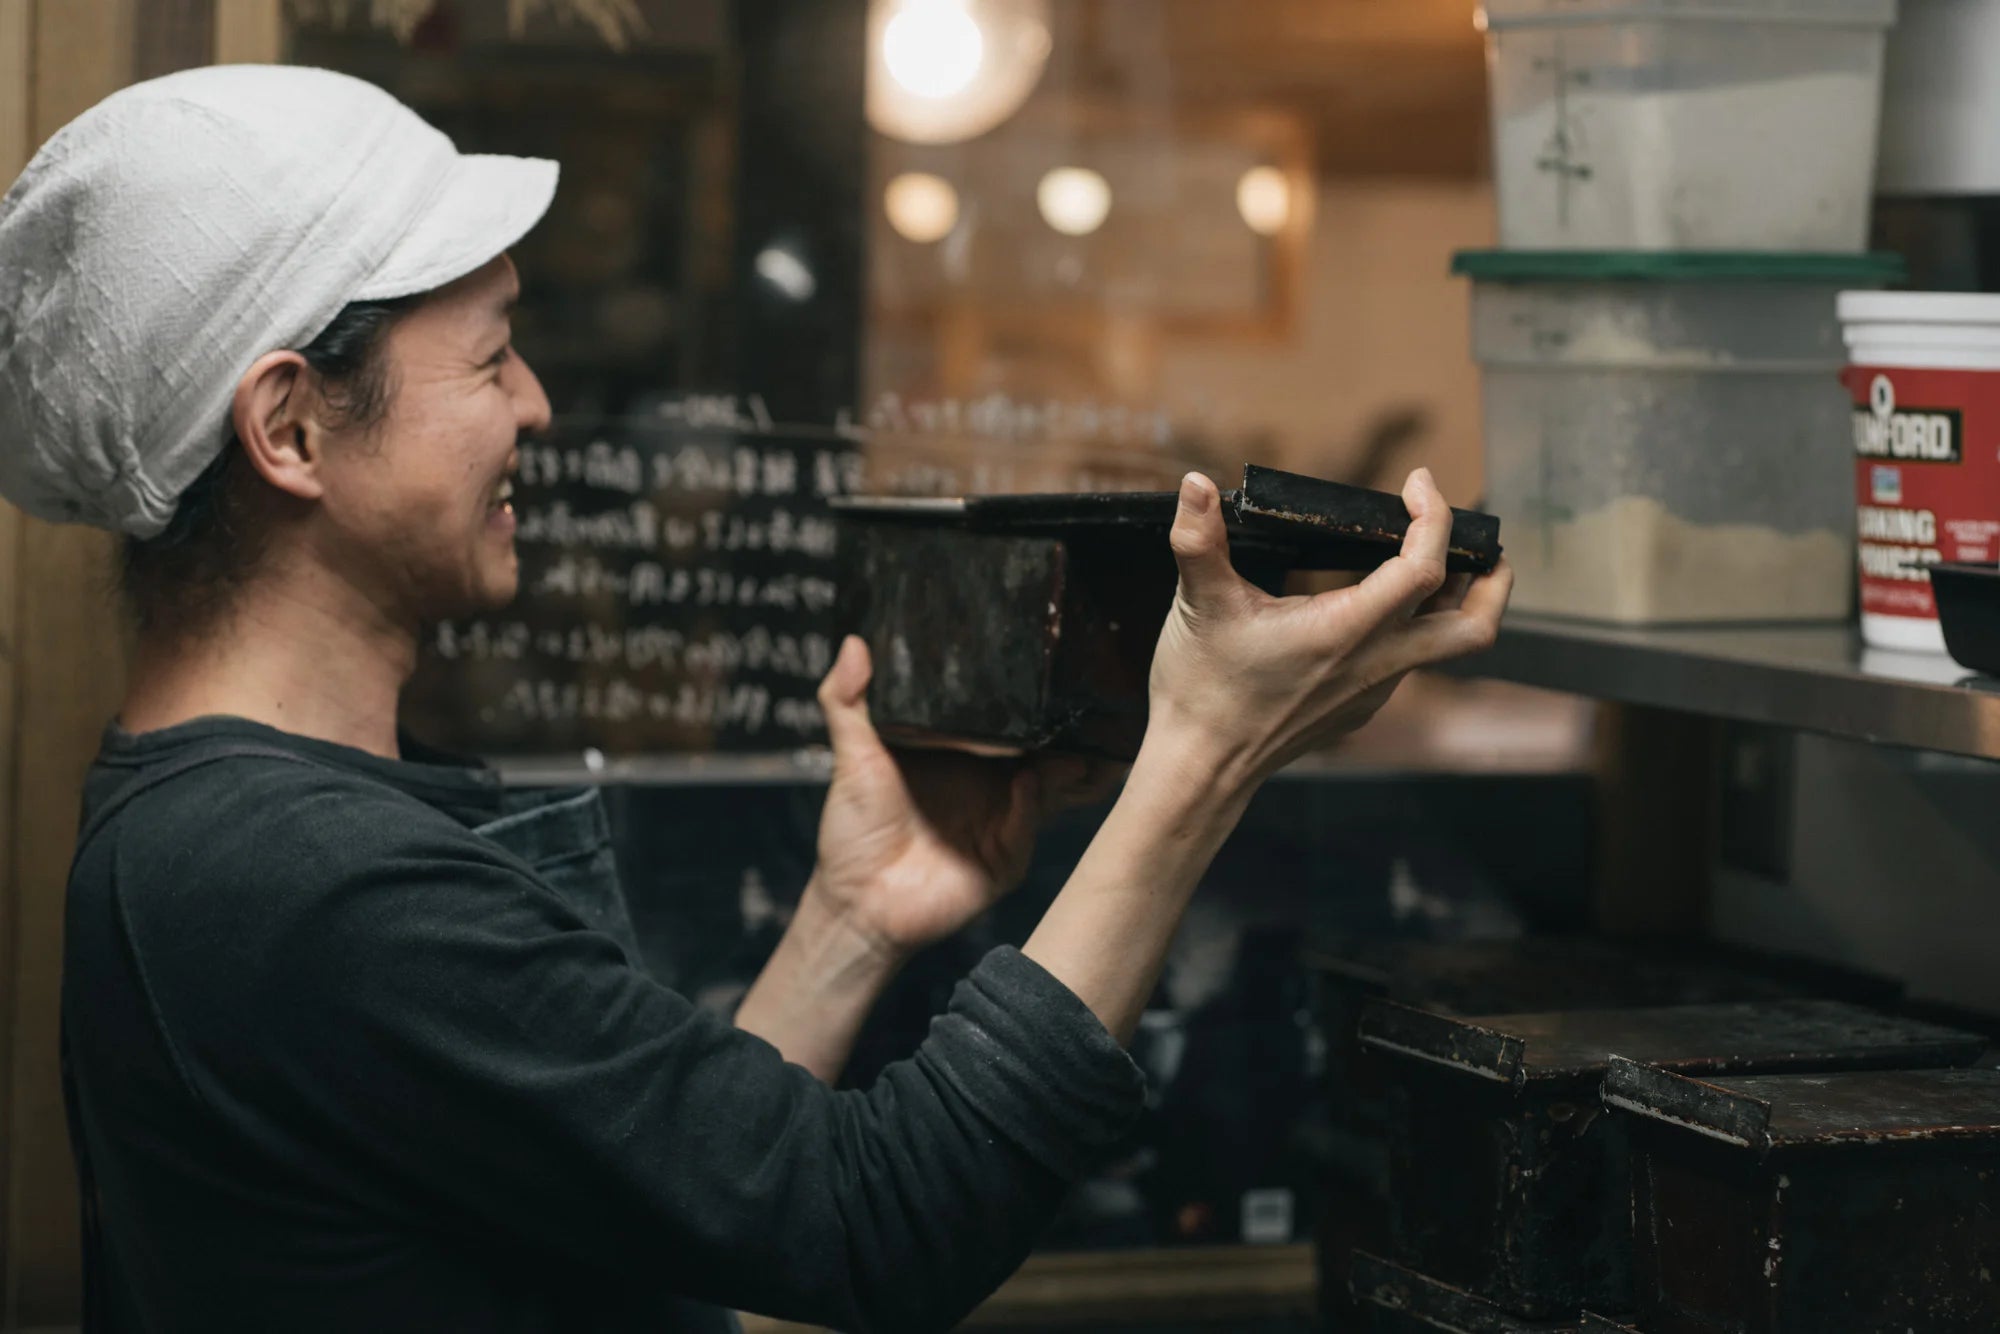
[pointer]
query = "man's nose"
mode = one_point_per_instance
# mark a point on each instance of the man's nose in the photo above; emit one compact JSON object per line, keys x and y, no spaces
{"x":531,"y":403}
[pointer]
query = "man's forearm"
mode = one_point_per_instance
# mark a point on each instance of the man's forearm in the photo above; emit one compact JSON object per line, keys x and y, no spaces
{"x":813,"y":995}
{"x":1106,"y":935}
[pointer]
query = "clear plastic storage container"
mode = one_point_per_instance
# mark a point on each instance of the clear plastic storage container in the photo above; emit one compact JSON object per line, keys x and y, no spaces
{"x":1669,"y":125}
{"x":1667,"y":438}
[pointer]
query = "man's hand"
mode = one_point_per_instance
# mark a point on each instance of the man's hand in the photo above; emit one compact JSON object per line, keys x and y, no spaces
{"x":912,"y":846}
{"x":1243,"y":682}
{"x":915,"y":844}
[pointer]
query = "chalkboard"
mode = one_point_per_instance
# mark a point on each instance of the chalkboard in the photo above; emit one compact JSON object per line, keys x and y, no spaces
{"x":677,"y":592}
{"x":679,"y":589}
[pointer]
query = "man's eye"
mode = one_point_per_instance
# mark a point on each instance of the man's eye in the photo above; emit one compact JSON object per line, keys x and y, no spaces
{"x":500,"y":358}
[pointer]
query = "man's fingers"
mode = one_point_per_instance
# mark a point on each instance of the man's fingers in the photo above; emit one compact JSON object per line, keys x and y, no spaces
{"x":1445,"y":635}
{"x":843,"y":699}
{"x":1404,"y":583}
{"x":1449,"y":598}
{"x":1201,"y":545}
{"x":1026,"y":800}
{"x":1488,"y":595}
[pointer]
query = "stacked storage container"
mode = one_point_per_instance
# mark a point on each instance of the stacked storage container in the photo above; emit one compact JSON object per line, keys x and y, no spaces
{"x":1683,"y":191}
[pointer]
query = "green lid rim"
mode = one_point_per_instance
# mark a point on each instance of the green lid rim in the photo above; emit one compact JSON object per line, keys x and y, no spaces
{"x":1542,"y":266}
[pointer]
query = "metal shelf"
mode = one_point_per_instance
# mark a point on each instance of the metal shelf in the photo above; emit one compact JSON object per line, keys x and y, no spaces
{"x":812,"y":765}
{"x":1818,"y":678}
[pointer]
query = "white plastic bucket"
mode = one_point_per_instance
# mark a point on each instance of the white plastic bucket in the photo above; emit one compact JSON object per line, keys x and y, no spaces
{"x":1924,"y":373}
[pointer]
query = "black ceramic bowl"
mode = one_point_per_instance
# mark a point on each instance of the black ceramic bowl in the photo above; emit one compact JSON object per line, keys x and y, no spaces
{"x":1968,"y":603}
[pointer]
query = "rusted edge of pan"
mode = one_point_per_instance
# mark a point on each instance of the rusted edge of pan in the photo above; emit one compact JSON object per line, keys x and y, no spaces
{"x":1443,"y":1040}
{"x":1271,"y":498}
{"x":1692,"y":1104}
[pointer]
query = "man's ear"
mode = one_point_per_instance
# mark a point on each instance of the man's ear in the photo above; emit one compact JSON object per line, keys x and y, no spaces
{"x":272,"y":412}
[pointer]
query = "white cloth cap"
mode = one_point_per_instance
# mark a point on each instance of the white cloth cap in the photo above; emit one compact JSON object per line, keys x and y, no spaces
{"x":180,"y":229}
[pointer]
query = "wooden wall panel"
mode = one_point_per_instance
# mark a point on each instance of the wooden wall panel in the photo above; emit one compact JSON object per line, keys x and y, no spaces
{"x":71,"y":677}
{"x":248,"y":32}
{"x":69,"y":673}
{"x":16,"y":114}
{"x":16,"y":69}
{"x":170,"y":35}
{"x":68,"y":676}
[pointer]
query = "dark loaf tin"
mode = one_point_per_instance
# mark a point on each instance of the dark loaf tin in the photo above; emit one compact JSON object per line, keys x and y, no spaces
{"x":1495,"y":976}
{"x":1836,"y":1203}
{"x":1508,"y":1179}
{"x":1028,"y":622}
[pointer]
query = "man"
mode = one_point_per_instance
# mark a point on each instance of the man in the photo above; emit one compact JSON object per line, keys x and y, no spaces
{"x":355,"y":1040}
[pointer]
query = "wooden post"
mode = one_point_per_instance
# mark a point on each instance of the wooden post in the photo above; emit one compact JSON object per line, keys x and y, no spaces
{"x":16,"y":142}
{"x":69,"y":672}
{"x":248,"y":32}
{"x":63,"y":670}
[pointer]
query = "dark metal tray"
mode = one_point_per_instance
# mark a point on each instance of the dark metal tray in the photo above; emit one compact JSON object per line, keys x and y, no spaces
{"x":1308,"y":523}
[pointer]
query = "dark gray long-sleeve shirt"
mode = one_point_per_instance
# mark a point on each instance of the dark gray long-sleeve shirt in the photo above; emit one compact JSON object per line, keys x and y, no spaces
{"x":340,"y":1063}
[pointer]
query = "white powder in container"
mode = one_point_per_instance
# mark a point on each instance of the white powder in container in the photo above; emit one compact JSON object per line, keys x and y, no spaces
{"x":1635,"y":562}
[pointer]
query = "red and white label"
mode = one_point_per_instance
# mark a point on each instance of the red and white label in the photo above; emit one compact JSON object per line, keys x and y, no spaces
{"x":1926,"y":478}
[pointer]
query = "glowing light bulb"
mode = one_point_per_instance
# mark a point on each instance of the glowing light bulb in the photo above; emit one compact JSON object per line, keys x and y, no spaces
{"x":1264,"y":198}
{"x":1074,"y":200}
{"x":944,"y":71}
{"x":787,"y":272}
{"x":933,"y":48}
{"x":921,"y":207}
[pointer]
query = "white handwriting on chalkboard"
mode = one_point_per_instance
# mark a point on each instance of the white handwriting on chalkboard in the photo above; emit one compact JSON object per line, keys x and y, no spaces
{"x":734,"y":471}
{"x":838,"y":473}
{"x":803,"y":657}
{"x":651,"y":584}
{"x":744,"y":705}
{"x":718,"y":412}
{"x":1000,"y":417}
{"x":478,"y":640}
{"x":636,"y":527}
{"x":705,"y":519}
{"x":640,"y":527}
{"x":984,"y":477}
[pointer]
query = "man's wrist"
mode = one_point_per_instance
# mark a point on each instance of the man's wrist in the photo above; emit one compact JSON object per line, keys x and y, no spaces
{"x":1190,"y":777}
{"x":816,"y":990}
{"x":835,"y":945}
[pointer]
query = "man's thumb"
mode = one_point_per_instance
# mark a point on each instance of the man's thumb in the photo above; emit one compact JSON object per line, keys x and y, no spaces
{"x":843,"y":700}
{"x":1201,"y":543}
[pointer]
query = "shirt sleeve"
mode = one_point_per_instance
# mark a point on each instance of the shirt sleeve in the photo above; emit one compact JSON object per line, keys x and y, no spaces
{"x":411,"y":999}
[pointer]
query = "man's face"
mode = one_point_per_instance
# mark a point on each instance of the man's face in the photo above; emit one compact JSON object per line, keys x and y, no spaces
{"x":417,"y":511}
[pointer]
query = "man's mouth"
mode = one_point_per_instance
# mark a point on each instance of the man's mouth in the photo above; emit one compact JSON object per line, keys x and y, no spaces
{"x":503,"y":496}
